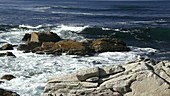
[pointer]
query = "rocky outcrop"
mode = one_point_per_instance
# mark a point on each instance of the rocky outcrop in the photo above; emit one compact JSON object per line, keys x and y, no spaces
{"x":4,"y":92}
{"x":51,"y":43}
{"x":41,"y":37}
{"x":7,"y":54}
{"x":7,"y":46}
{"x":29,"y":47}
{"x":109,"y":45}
{"x":139,"y":78}
{"x":8,"y":77}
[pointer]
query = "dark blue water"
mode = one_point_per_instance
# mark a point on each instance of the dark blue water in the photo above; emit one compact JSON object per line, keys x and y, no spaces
{"x":139,"y":23}
{"x":83,"y":12}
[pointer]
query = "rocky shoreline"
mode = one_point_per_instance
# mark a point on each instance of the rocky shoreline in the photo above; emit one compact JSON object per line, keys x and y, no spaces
{"x":144,"y":77}
{"x":139,"y":78}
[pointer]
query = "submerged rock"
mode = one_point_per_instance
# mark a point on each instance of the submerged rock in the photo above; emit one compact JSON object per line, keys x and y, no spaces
{"x":7,"y":46}
{"x":138,"y":78}
{"x":8,"y":77}
{"x":4,"y":92}
{"x":7,"y":54}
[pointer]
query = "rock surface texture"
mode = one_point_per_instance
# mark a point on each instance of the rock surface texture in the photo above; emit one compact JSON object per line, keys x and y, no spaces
{"x":4,"y":92}
{"x":7,"y":54}
{"x":8,"y":77}
{"x":139,"y":78}
{"x":7,"y":46}
{"x":51,"y":43}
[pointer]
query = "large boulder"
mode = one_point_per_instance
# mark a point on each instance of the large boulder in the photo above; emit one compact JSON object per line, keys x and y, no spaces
{"x":7,"y":46}
{"x":109,"y":45}
{"x":139,"y":78}
{"x":69,"y":47}
{"x":35,"y":40}
{"x":4,"y":92}
{"x":43,"y":37}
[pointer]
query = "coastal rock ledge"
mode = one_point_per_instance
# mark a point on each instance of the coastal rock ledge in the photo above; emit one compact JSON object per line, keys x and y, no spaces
{"x":139,"y":78}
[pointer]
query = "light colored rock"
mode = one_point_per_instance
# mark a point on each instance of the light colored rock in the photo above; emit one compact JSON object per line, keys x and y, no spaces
{"x":150,"y":86}
{"x":110,"y":70}
{"x":138,"y":78}
{"x":82,"y":75}
{"x":93,"y":79}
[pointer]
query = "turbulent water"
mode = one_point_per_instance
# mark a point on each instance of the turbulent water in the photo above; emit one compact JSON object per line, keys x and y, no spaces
{"x":143,"y":25}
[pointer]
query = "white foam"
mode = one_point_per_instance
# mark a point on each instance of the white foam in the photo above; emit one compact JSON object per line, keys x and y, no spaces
{"x":69,"y":32}
{"x":30,"y":27}
{"x":72,"y":28}
{"x":32,"y":70}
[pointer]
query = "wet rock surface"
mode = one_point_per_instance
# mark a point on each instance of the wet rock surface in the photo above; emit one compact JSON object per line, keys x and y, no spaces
{"x":7,"y":46}
{"x":8,"y":77}
{"x":7,"y":54}
{"x":4,"y":92}
{"x":139,"y":78}
{"x":51,"y":43}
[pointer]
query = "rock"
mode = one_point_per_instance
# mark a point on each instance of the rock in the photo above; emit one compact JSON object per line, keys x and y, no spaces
{"x":51,"y":43}
{"x":140,"y":78}
{"x":69,"y":47}
{"x":73,"y":47}
{"x":44,"y":37}
{"x":111,"y":70}
{"x":82,"y":75}
{"x":109,"y":45}
{"x":26,"y":37}
{"x":7,"y":46}
{"x":8,"y":77}
{"x":7,"y":54}
{"x":4,"y":92}
{"x":93,"y":79}
{"x":1,"y":82}
{"x":29,"y":46}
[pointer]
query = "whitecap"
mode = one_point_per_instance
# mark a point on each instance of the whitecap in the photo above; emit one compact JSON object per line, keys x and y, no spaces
{"x":30,"y":27}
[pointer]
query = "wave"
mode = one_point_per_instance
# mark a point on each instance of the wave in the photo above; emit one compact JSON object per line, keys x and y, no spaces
{"x":141,"y":34}
{"x":157,"y":34}
{"x":30,"y":27}
{"x":114,"y":8}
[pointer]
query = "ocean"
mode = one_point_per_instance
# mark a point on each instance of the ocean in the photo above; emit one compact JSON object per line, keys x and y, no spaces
{"x":143,"y":25}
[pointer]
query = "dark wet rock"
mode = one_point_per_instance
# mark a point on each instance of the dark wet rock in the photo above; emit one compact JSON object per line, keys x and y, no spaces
{"x":8,"y":77}
{"x":7,"y":46}
{"x":7,"y":54}
{"x":43,"y":37}
{"x":1,"y":82}
{"x":4,"y":92}
{"x":26,"y":37}
{"x":29,"y":46}
{"x":109,"y":45}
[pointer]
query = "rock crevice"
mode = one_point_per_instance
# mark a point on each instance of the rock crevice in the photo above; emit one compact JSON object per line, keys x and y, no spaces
{"x":138,"y":78}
